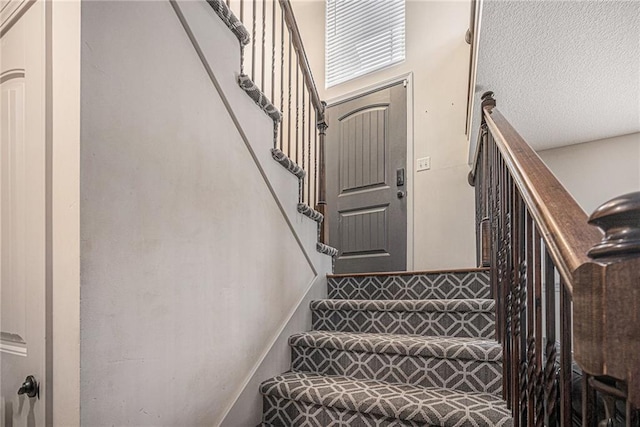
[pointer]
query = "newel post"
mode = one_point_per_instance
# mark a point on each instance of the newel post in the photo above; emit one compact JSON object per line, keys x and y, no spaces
{"x":607,"y":303}
{"x":619,"y":219}
{"x":487,"y":101}
{"x":322,"y":182}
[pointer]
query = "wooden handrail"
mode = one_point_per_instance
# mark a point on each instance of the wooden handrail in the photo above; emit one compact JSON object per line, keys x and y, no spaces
{"x":562,"y":222}
{"x":303,"y":62}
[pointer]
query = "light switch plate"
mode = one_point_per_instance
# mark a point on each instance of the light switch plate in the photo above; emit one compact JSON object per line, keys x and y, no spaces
{"x":424,"y":163}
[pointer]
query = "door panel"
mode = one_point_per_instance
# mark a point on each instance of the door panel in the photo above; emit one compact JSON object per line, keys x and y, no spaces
{"x":366,"y":145}
{"x":364,"y":231}
{"x":22,"y":213}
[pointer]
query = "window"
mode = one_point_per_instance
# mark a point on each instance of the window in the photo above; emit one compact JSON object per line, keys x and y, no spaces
{"x":363,"y":36}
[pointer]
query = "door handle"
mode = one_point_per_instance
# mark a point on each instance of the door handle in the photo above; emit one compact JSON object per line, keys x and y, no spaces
{"x":400,"y":194}
{"x":29,"y":387}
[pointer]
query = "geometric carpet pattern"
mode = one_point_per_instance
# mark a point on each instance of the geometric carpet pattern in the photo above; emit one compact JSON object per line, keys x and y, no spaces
{"x":230,"y":20}
{"x":408,"y":345}
{"x":394,"y":350}
{"x":280,"y":412}
{"x":458,"y":285}
{"x":308,"y":211}
{"x":287,"y":163}
{"x":259,"y":97}
{"x":420,"y":318}
{"x":428,"y":305}
{"x":425,"y":406}
{"x":455,"y":374}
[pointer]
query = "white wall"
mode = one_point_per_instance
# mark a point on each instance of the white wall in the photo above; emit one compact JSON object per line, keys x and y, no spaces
{"x":597,"y":171}
{"x":189,"y":267}
{"x":438,"y":56}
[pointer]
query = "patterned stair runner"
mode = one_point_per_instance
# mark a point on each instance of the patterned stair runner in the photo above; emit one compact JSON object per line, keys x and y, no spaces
{"x":394,"y":350}
{"x":464,"y":364}
{"x":308,"y":393}
{"x":453,"y":318}
{"x":467,"y":284}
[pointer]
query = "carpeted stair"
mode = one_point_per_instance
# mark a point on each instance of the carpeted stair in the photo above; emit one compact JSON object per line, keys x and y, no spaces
{"x":394,"y":350}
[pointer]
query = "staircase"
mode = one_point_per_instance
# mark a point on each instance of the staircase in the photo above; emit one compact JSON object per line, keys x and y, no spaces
{"x":394,"y":350}
{"x":385,"y":349}
{"x":419,"y":349}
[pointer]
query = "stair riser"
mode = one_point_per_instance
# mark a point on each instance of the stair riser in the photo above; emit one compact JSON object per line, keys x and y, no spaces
{"x":279,"y":412}
{"x":421,"y":286}
{"x":452,"y":324}
{"x":462,"y":375}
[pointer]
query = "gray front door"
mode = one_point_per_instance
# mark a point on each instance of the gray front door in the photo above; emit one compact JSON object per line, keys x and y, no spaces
{"x":366,"y":181}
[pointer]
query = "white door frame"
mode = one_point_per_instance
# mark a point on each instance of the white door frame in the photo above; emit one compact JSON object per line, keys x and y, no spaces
{"x":408,"y":79}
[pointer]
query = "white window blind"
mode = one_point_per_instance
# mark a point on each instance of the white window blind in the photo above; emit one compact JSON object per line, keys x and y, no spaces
{"x":363,"y":36}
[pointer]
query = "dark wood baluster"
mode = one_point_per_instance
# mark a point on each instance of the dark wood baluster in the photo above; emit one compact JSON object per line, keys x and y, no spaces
{"x":494,"y":237}
{"x":289,"y":103}
{"x":505,"y":284}
{"x":566,"y":370}
{"x":315,"y":160}
{"x":273,"y":51}
{"x":242,"y":47}
{"x":476,"y":180}
{"x":530,"y":321}
{"x":297,"y":114}
{"x":538,"y":332}
{"x":264,"y":42}
{"x":522,"y":313}
{"x":515,"y":301}
{"x":309,"y":178}
{"x":498,"y":219}
{"x":632,"y":415}
{"x":550,"y":370}
{"x":302,"y":141}
{"x":485,"y":245}
{"x":253,"y":41}
{"x":589,"y":415}
{"x":477,"y":193}
{"x":282,"y":78}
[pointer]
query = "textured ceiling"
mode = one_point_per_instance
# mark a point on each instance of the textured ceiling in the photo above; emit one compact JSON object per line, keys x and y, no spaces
{"x":563,"y":72}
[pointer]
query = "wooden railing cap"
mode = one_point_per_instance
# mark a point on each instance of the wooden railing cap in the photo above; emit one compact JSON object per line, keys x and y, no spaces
{"x":619,"y":219}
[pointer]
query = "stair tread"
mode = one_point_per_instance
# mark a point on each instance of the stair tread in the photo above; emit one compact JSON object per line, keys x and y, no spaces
{"x":408,"y":345}
{"x":434,"y":406}
{"x":431,"y":305}
{"x":445,"y":285}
